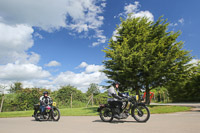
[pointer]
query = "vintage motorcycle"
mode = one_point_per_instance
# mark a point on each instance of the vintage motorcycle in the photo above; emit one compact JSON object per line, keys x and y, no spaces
{"x":51,"y":112}
{"x":139,"y":111}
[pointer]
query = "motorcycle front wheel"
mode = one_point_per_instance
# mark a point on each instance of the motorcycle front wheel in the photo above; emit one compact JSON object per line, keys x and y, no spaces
{"x":106,"y":114}
{"x":55,"y":114}
{"x":140,"y":113}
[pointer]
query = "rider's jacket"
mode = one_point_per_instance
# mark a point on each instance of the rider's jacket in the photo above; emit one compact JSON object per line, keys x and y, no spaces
{"x":45,"y":100}
{"x":114,"y":94}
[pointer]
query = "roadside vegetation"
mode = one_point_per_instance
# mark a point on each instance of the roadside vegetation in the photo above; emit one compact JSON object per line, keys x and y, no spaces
{"x":92,"y":111}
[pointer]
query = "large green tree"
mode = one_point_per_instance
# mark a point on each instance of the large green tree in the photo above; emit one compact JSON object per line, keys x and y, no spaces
{"x":145,"y":55}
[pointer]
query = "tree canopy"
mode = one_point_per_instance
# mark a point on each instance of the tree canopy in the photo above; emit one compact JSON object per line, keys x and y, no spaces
{"x":146,"y":55}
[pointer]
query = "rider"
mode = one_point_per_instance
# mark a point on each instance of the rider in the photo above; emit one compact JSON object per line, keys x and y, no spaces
{"x":45,"y":100}
{"x":115,"y":98}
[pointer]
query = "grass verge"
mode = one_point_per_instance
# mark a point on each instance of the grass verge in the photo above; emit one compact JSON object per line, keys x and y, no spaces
{"x":92,"y":111}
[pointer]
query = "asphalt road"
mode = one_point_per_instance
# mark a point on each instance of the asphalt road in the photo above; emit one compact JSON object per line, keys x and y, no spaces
{"x":183,"y":122}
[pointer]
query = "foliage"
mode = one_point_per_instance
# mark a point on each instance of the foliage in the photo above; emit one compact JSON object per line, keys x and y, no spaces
{"x":145,"y":55}
{"x":17,"y":86}
{"x":92,"y":111}
{"x":188,"y":90}
{"x":100,"y":98}
{"x":93,"y":89}
{"x":23,"y":99}
{"x":63,"y":95}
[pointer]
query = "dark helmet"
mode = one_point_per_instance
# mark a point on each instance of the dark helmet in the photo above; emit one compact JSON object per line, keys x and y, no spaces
{"x":115,"y":83}
{"x":45,"y":92}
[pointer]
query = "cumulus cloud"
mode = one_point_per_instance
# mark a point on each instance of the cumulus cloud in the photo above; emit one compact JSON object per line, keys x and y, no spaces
{"x":83,"y":65}
{"x":22,"y":72}
{"x":82,"y":80}
{"x":132,"y":7}
{"x":14,"y":42}
{"x":49,"y":15}
{"x":53,"y":64}
{"x":46,"y":14}
{"x":134,"y":10}
{"x":17,"y":19}
{"x":194,"y":62}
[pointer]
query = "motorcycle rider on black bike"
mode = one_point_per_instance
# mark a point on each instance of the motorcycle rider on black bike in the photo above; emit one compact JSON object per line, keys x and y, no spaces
{"x":45,"y":100}
{"x":115,"y":99}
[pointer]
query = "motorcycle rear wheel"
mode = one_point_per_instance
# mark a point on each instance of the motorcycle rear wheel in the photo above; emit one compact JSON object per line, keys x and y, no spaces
{"x":106,"y":114}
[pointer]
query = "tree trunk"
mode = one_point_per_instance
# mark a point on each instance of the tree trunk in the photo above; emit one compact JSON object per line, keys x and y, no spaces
{"x":2,"y":103}
{"x":147,"y":95}
{"x":71,"y":100}
{"x":92,"y":100}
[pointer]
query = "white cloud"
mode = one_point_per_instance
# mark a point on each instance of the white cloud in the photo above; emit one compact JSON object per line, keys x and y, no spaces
{"x":146,"y":14}
{"x":101,"y":38}
{"x":194,"y":61}
{"x":14,"y":42}
{"x":82,"y":80}
{"x":34,"y":76}
{"x":51,"y":15}
{"x":38,"y":35}
{"x":83,"y":65}
{"x":181,"y":21}
{"x":47,"y":14}
{"x":93,"y":68}
{"x":53,"y":64}
{"x":132,"y":9}
{"x":22,"y":72}
{"x":173,"y":24}
{"x":103,"y":4}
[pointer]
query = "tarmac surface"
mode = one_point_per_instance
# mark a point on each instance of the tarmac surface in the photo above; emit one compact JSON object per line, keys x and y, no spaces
{"x":182,"y":122}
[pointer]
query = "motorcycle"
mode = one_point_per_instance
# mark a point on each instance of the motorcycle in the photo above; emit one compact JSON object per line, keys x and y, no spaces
{"x":51,"y":112}
{"x":139,"y":111}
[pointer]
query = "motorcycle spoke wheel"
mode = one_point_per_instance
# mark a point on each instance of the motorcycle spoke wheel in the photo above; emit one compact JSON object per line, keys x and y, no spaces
{"x":141,"y":113}
{"x":106,"y":115}
{"x":55,"y":114}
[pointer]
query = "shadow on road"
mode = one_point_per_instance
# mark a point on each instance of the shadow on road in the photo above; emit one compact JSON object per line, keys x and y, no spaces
{"x":116,"y":121}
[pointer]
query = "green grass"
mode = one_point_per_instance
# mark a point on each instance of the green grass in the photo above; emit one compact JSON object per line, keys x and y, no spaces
{"x":16,"y":114}
{"x":154,"y":109}
{"x":92,"y":111}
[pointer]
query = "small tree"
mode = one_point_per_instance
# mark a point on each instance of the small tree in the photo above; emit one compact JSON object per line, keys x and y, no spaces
{"x":93,"y":89}
{"x":145,"y":55}
{"x":17,"y":86}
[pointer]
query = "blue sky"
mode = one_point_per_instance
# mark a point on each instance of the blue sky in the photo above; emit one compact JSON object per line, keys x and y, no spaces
{"x":53,"y":43}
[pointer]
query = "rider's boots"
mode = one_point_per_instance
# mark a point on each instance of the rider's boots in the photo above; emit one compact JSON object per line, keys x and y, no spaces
{"x":42,"y":115}
{"x":117,"y":113}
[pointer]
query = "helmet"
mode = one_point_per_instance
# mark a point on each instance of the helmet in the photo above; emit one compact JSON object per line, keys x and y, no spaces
{"x":45,"y":92}
{"x":115,"y":83}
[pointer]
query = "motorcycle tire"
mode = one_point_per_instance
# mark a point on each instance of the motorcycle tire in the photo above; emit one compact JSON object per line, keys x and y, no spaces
{"x":106,"y":113}
{"x":55,"y":114}
{"x":139,"y":112}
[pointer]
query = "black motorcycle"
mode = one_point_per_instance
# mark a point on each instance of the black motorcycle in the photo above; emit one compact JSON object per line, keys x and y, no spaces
{"x":51,"y":112}
{"x":130,"y":105}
